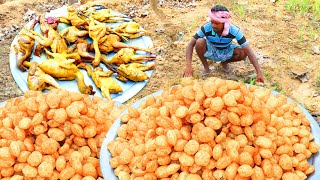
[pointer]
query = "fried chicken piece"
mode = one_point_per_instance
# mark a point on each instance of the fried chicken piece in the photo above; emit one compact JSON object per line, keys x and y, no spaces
{"x":55,"y":41}
{"x":121,"y":78}
{"x":102,"y":80}
{"x":74,"y":19}
{"x":107,"y":45}
{"x":38,"y":50}
{"x":105,"y":15}
{"x":97,"y":30}
{"x":112,"y":42}
{"x":82,"y":47}
{"x":131,"y":30}
{"x":46,"y":23}
{"x":64,"y":69}
{"x":134,"y":71}
{"x":25,"y":46}
{"x":39,"y":80}
{"x":126,"y":55}
{"x":72,"y":34}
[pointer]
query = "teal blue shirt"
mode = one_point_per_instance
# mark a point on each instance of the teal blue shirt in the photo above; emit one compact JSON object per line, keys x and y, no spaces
{"x":221,"y":42}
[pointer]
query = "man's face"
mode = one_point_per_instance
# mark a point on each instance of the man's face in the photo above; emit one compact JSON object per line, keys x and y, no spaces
{"x":217,"y":26}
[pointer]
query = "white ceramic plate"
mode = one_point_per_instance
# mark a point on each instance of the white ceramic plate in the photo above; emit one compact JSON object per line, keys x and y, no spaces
{"x":105,"y":156}
{"x":130,"y":88}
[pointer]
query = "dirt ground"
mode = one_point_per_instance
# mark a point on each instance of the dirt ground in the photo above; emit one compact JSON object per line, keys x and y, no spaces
{"x":282,"y":41}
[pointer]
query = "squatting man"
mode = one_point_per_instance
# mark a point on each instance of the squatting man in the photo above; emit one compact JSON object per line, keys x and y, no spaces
{"x":214,"y":41}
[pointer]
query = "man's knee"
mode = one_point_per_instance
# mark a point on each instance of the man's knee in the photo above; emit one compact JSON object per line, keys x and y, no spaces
{"x":201,"y":44}
{"x":239,"y":54}
{"x":243,"y":55}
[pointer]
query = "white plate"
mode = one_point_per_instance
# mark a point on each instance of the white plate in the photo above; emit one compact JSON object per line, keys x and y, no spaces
{"x":105,"y":156}
{"x":2,"y":103}
{"x":130,"y":88}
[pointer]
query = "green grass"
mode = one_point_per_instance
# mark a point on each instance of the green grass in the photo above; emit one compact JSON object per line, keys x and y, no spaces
{"x":304,"y":6}
{"x":301,"y":33}
{"x":307,"y":53}
{"x":314,"y":32}
{"x":316,"y":8}
{"x":239,"y":10}
{"x":276,"y":86}
{"x":267,"y":75}
{"x":311,"y":31}
{"x":251,"y":81}
{"x":190,"y":27}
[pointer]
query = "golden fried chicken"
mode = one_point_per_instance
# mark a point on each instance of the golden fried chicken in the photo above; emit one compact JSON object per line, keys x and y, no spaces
{"x":25,"y":46}
{"x":72,"y":34}
{"x":134,"y":71}
{"x":38,"y":50}
{"x":56,"y":42}
{"x":102,"y":80}
{"x":105,"y":15}
{"x":97,"y":30}
{"x":121,"y":78}
{"x":46,"y":23}
{"x":39,"y":80}
{"x":64,"y":69}
{"x":82,"y":47}
{"x":112,"y":42}
{"x":73,"y":18}
{"x":107,"y":45}
{"x":131,"y":30}
{"x":126,"y":55}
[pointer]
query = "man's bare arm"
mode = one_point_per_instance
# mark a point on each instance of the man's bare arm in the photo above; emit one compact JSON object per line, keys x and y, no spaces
{"x":252,"y":57}
{"x":189,"y":52}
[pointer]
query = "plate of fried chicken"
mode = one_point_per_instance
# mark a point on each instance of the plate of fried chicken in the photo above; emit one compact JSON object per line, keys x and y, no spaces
{"x":88,"y":49}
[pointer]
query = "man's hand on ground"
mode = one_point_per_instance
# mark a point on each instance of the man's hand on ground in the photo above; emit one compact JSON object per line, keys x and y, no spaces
{"x":260,"y":78}
{"x":187,"y":72}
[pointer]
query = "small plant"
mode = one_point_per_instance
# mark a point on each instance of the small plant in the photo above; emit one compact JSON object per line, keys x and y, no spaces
{"x":304,"y":6}
{"x":276,"y":86}
{"x":314,"y":33}
{"x":298,"y":6}
{"x":268,"y":76}
{"x":301,"y":33}
{"x":239,"y":10}
{"x":190,"y":27}
{"x":249,"y":80}
{"x":252,"y":81}
{"x":307,"y":53}
{"x":291,"y":5}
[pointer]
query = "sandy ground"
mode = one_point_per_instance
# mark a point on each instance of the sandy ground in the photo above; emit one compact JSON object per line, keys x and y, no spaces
{"x":282,"y":41}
